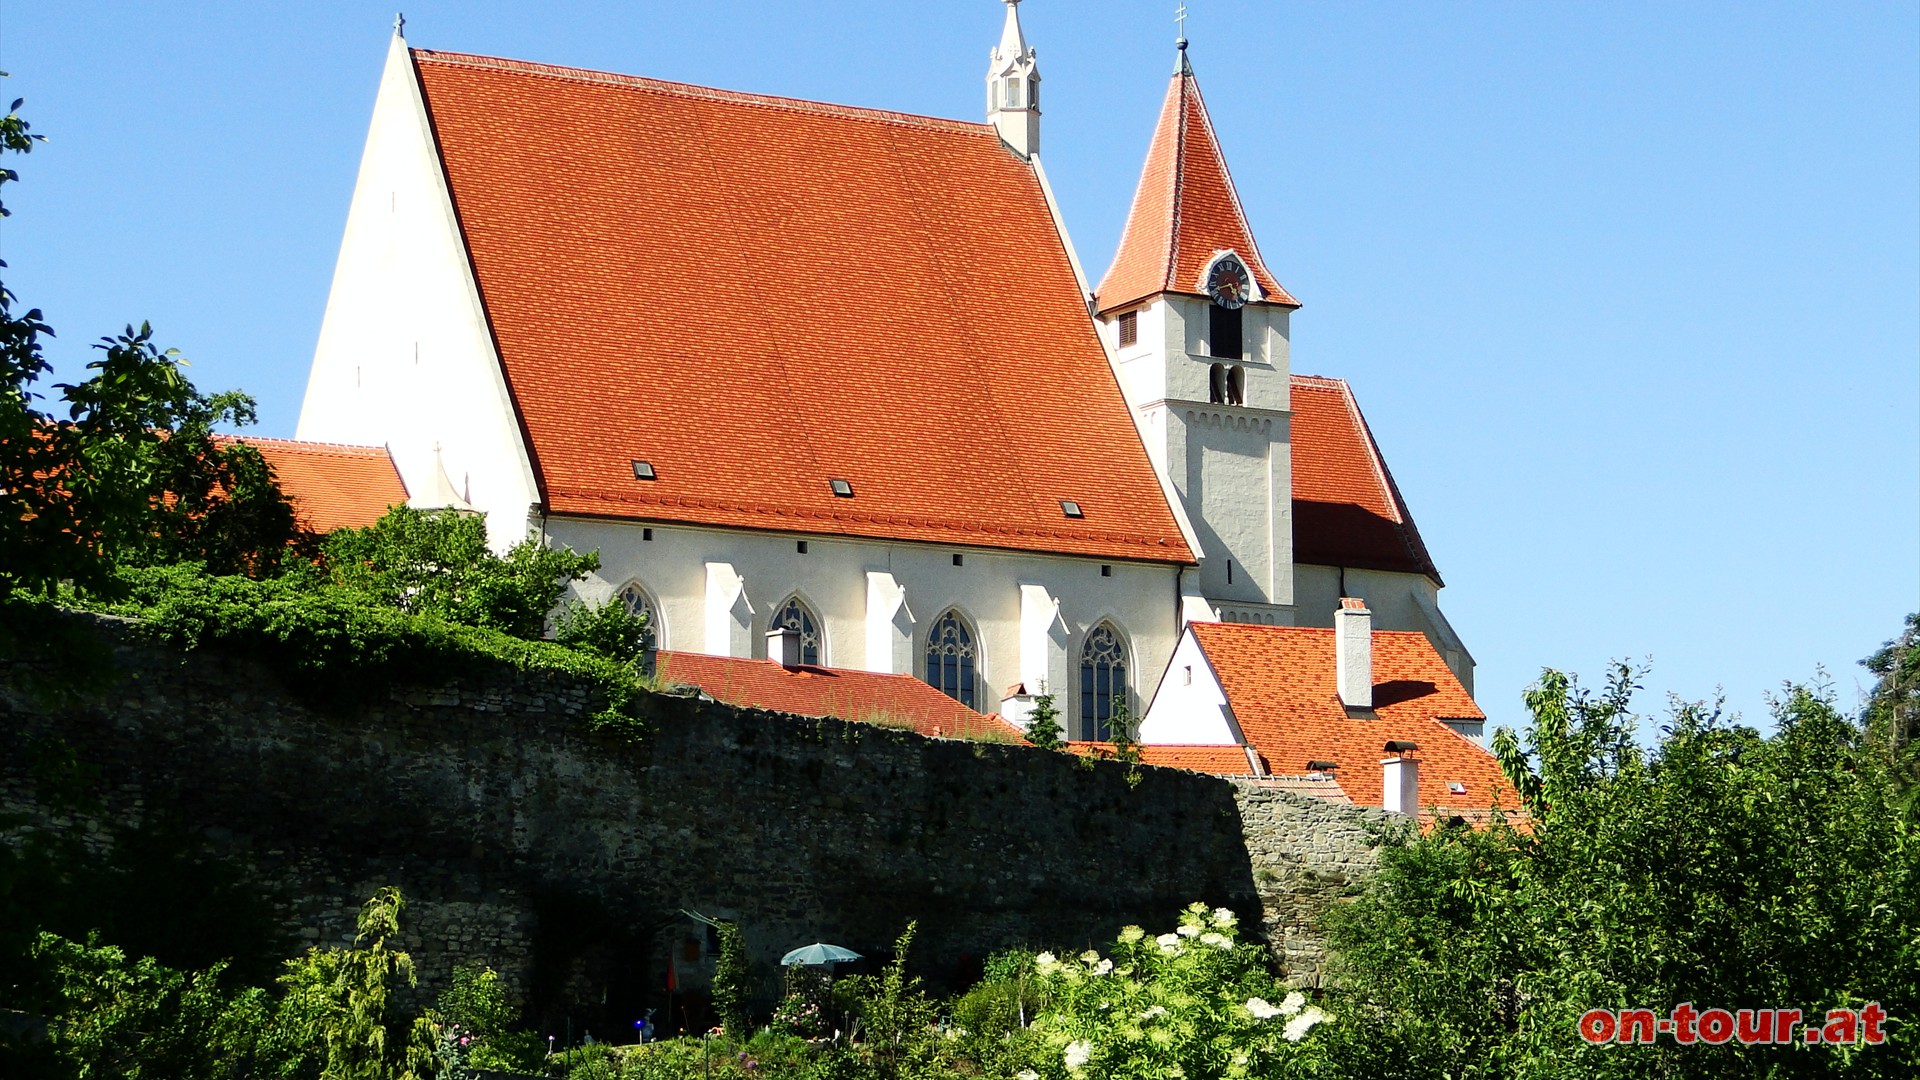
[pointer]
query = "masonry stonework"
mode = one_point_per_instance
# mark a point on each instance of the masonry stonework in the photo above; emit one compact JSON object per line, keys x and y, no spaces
{"x":562,"y":856}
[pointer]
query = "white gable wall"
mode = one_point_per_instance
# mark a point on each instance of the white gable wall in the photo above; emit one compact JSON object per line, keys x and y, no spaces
{"x":405,"y":358}
{"x":1190,"y":707}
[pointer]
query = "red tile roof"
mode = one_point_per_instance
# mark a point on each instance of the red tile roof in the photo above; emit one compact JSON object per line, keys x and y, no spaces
{"x":1280,"y":683}
{"x":332,"y":486}
{"x":1184,"y":211}
{"x":756,"y":295}
{"x":1221,"y":760}
{"x":1346,"y":509}
{"x":892,"y":700}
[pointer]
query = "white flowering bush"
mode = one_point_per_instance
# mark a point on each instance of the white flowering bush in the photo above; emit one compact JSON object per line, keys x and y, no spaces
{"x":1196,"y":1003}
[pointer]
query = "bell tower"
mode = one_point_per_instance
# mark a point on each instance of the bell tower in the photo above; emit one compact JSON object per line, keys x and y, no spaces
{"x":1198,"y":329}
{"x":1013,"y":87}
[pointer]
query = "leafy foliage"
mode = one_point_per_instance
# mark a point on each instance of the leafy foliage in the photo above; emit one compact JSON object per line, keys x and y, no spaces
{"x":438,"y":564}
{"x":1043,"y":724}
{"x":1197,"y":1002}
{"x":336,"y":641}
{"x":732,"y":983}
{"x":132,"y":473}
{"x":1893,"y":711}
{"x":1720,"y":868}
{"x":338,"y":1015}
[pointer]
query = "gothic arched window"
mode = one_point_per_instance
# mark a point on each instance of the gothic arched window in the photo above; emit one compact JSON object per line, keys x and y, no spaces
{"x":951,"y":658}
{"x":1217,"y":384}
{"x":634,"y":596}
{"x":797,"y":615}
{"x":1103,"y":681}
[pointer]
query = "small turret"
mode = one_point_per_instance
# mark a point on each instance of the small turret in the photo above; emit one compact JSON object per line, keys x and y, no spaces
{"x":1013,"y":87}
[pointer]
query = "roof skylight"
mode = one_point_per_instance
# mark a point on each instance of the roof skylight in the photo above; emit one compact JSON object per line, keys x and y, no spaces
{"x":1071,"y":509}
{"x":643,"y":470}
{"x":842,"y":489}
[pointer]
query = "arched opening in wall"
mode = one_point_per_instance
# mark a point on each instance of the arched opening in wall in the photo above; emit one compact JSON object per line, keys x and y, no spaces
{"x":640,"y":602}
{"x":1217,"y":384}
{"x":796,"y":615}
{"x":952,"y":659}
{"x":1103,"y":681}
{"x":1237,"y":385}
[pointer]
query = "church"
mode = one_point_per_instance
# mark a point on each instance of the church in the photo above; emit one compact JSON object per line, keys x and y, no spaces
{"x":837,"y":375}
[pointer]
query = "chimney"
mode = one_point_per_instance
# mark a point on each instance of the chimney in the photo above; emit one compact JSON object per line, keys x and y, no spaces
{"x":1353,"y":652}
{"x":1400,"y":781}
{"x":783,"y":646}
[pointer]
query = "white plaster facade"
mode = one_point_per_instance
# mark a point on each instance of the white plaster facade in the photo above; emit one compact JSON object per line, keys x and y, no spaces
{"x":1230,"y":465}
{"x":405,"y":357}
{"x":716,"y":590}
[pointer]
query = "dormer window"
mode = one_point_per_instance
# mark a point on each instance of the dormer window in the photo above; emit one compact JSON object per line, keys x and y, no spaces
{"x":1129,"y":329}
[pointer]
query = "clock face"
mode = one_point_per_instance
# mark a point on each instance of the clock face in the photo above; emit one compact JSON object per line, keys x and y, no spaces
{"x":1228,"y":283}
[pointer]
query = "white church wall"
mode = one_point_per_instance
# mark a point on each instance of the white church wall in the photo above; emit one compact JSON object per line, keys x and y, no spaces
{"x":405,"y":359}
{"x":1398,"y":602}
{"x":837,"y":576}
{"x":1190,"y":707}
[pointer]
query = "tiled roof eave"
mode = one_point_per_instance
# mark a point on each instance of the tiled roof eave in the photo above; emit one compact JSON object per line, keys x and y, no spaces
{"x":904,"y":528}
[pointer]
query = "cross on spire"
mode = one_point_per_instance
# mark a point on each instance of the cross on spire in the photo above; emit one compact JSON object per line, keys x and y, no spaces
{"x":1180,"y":18}
{"x":399,"y":24}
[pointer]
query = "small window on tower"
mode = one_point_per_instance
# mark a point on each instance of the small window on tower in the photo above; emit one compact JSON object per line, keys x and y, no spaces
{"x":1010,"y":91}
{"x":1237,"y":385}
{"x":1223,"y":332}
{"x":1129,"y":328}
{"x":1217,"y":384}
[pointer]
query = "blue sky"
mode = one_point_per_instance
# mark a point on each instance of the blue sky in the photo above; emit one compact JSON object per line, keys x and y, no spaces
{"x":1630,"y":293}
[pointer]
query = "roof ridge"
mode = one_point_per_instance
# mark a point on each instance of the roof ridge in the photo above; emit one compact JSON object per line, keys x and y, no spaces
{"x":668,"y":86}
{"x":343,"y":449}
{"x":1179,"y":180}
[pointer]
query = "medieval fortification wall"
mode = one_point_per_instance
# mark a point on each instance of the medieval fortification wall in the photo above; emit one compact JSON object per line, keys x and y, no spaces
{"x":563,"y":856}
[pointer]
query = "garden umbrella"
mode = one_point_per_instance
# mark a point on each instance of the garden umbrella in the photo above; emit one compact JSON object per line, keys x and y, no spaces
{"x":818,"y":953}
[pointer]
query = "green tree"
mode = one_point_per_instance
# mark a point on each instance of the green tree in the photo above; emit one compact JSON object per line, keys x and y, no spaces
{"x":1719,"y":868}
{"x":1043,"y":724}
{"x":1892,"y":715}
{"x":340,"y":1014}
{"x":114,"y":1016}
{"x":732,"y":983}
{"x":132,"y":472}
{"x":438,"y":564}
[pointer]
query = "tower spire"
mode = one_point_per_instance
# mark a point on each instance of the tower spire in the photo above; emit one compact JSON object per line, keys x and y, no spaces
{"x":1180,"y":65}
{"x":1013,"y":87}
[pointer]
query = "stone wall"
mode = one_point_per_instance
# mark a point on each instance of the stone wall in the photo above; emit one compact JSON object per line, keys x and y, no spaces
{"x":563,"y":857}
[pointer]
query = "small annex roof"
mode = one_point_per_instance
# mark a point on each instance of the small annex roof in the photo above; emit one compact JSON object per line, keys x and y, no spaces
{"x":332,"y":485}
{"x":1346,"y":509}
{"x":890,"y":700}
{"x":1185,"y":210}
{"x":753,"y":296}
{"x":1280,"y":683}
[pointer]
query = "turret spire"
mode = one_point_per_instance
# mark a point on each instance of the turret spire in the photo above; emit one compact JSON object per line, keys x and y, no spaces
{"x":1013,"y":87}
